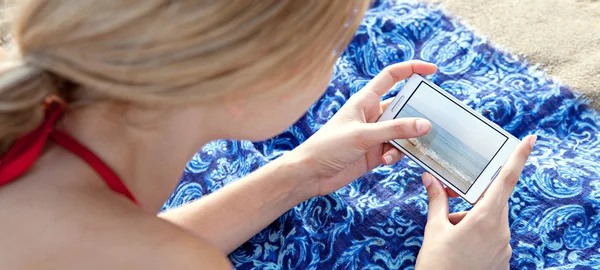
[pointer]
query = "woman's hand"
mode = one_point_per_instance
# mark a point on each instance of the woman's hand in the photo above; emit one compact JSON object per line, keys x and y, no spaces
{"x":352,"y":143}
{"x":479,"y":238}
{"x":348,"y":146}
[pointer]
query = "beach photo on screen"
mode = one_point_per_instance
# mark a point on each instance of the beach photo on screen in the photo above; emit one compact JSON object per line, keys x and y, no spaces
{"x":459,"y":145}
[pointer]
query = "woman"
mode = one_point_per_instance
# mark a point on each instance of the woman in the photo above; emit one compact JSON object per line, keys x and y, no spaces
{"x":103,"y":102}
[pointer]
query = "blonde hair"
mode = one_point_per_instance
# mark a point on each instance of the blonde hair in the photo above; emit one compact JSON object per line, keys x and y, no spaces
{"x":165,"y":51}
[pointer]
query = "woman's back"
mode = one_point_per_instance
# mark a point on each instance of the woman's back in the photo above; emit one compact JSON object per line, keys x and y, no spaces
{"x":53,"y":222}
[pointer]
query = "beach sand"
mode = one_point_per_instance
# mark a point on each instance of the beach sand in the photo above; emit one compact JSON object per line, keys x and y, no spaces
{"x":563,"y":36}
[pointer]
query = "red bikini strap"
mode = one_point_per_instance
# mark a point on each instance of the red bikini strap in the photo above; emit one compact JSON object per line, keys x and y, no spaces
{"x":26,"y":150}
{"x":112,"y":180}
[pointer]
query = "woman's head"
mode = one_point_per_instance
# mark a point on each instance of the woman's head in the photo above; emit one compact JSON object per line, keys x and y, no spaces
{"x":172,"y":53}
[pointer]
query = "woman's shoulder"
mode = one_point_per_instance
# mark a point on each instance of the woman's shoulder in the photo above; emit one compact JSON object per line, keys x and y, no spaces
{"x":74,"y":233}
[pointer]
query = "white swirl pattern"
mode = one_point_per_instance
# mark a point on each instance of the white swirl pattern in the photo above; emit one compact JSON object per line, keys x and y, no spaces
{"x":377,"y":221}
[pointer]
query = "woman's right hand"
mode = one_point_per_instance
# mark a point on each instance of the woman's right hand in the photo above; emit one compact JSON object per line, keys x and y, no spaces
{"x":476,"y":239}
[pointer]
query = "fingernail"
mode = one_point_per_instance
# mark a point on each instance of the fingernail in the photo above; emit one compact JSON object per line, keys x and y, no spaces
{"x":426,"y":180}
{"x":532,"y":140}
{"x":388,"y":159}
{"x":422,"y":126}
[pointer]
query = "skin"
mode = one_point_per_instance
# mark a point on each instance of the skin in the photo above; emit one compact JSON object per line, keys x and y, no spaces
{"x":483,"y":233}
{"x":62,"y":216}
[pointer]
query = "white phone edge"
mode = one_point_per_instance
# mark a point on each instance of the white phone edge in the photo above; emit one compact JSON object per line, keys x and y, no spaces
{"x":490,"y":172}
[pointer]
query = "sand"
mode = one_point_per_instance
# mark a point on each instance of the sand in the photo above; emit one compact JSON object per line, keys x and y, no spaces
{"x":563,"y":36}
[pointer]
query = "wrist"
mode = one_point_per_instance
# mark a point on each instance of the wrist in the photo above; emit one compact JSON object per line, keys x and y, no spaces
{"x":299,"y":170}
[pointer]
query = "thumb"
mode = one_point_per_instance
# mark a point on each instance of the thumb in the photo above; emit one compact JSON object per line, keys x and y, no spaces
{"x":438,"y":199}
{"x":401,"y":128}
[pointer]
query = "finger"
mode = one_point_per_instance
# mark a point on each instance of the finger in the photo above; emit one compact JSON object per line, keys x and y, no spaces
{"x":501,"y":189}
{"x":451,"y":193}
{"x":391,"y":155}
{"x":386,"y":103}
{"x":457,"y":217}
{"x":397,"y":72}
{"x":376,"y":133}
{"x":438,"y":201}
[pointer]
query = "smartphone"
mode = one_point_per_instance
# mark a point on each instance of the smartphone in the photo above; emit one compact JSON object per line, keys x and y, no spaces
{"x":464,"y":150}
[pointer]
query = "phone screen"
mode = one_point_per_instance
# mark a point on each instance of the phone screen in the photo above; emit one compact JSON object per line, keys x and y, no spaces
{"x":459,"y":146}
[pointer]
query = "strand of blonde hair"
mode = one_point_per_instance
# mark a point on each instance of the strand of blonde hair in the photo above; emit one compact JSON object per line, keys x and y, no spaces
{"x":166,"y":51}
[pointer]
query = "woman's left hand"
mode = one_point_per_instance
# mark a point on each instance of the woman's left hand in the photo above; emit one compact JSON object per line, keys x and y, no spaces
{"x":352,"y":142}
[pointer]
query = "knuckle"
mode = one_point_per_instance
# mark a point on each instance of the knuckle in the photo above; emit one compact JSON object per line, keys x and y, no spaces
{"x":361,"y":95}
{"x":512,"y":177}
{"x":400,"y":127}
{"x":434,"y":195}
{"x":390,"y":72}
{"x":508,"y":252}
{"x":506,"y":239}
{"x":405,"y":128}
{"x":359,"y":137}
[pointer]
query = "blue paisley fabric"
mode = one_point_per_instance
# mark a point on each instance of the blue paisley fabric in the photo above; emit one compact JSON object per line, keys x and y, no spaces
{"x":377,"y":221}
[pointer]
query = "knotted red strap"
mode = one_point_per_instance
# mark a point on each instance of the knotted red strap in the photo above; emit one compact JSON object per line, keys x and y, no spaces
{"x":26,"y":150}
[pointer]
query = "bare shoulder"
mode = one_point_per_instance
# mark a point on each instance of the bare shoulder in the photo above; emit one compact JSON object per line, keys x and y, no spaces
{"x":60,"y":232}
{"x":144,"y":241}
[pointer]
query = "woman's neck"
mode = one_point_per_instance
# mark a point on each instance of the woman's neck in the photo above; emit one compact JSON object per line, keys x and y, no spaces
{"x":147,"y":149}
